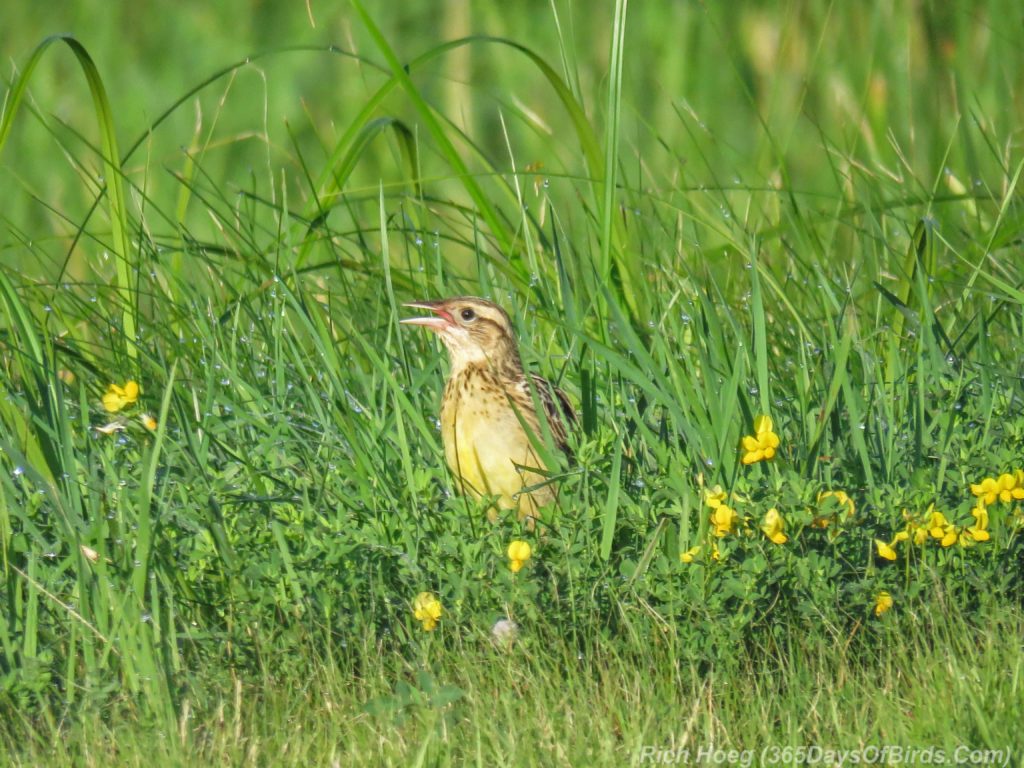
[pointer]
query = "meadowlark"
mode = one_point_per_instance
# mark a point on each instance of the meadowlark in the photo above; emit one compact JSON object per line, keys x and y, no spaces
{"x":489,"y":425}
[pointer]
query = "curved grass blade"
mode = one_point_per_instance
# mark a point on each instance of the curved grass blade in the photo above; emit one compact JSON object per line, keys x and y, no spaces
{"x":112,"y":168}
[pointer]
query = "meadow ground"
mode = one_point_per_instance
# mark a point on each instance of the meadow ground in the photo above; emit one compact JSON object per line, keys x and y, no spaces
{"x":773,"y":252}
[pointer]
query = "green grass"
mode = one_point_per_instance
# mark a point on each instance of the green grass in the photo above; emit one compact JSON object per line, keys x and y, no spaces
{"x":695,"y":214}
{"x":458,"y":700}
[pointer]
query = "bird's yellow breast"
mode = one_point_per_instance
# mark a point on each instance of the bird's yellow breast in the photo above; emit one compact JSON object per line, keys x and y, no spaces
{"x":484,"y":441}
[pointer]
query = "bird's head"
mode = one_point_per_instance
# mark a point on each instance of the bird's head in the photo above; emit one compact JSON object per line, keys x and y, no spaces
{"x":475,"y":331}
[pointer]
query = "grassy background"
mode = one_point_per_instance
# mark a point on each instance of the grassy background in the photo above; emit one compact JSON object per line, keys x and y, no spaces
{"x":695,"y":214}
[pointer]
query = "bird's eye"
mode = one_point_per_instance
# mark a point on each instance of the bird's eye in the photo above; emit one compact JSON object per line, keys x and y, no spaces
{"x":468,"y":314}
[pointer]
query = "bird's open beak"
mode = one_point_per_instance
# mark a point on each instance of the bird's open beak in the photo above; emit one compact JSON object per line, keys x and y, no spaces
{"x":438,"y":322}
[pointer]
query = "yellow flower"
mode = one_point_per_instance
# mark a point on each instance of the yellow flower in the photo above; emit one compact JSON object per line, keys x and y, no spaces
{"x":762,"y":444}
{"x":888,"y":551}
{"x":1011,"y":488}
{"x":724,"y":520}
{"x":920,"y":535}
{"x":518,"y":553}
{"x":913,"y":528}
{"x":117,"y":397}
{"x":885,"y":550}
{"x":883,"y":602}
{"x":715,"y":497}
{"x":936,"y":523}
{"x":773,"y":525}
{"x":1006,"y":488}
{"x":690,"y":555}
{"x":940,"y":528}
{"x":148,"y":422}
{"x":842,"y":499}
{"x":427,"y":609}
{"x":979,"y":531}
{"x":987,"y":490}
{"x":715,"y":554}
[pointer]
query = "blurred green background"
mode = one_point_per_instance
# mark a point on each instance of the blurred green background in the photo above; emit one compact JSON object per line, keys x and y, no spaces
{"x":747,"y":97}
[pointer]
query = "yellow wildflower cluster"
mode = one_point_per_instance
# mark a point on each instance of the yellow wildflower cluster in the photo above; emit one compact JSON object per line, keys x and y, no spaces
{"x":694,"y":552}
{"x":725,"y":520}
{"x":761,"y":445}
{"x":118,"y":397}
{"x":883,"y":602}
{"x":934,"y":526}
{"x":723,"y":517}
{"x":427,"y":610}
{"x":773,"y":526}
{"x":1006,"y":488}
{"x":518,"y":553}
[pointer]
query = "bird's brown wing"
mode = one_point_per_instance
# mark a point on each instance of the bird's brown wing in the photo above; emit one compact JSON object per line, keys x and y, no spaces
{"x":557,"y":409}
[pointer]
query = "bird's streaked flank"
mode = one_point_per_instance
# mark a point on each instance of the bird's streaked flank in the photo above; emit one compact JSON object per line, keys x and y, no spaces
{"x":489,"y":425}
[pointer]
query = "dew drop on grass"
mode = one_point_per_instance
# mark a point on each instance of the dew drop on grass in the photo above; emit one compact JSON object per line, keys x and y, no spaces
{"x":19,"y":471}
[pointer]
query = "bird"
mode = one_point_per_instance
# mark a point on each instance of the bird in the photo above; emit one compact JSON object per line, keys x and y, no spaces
{"x":489,"y":425}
